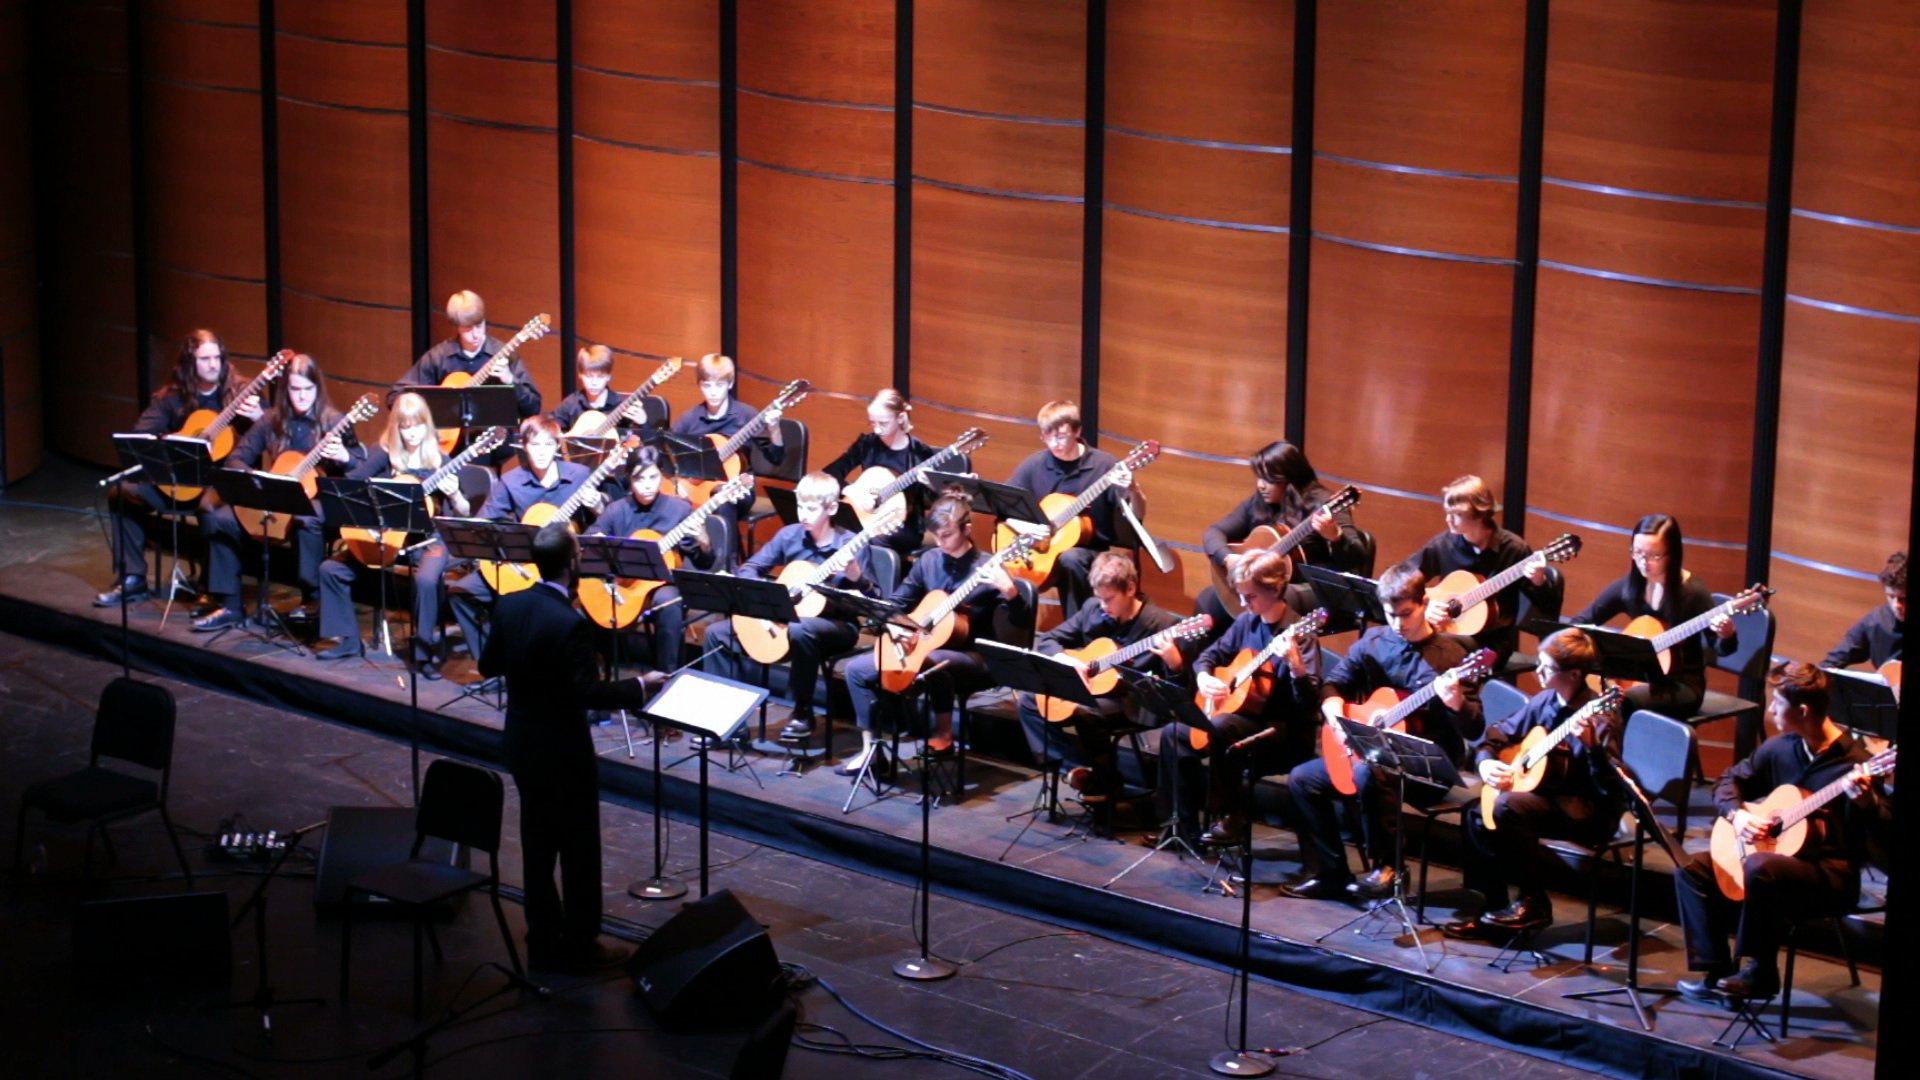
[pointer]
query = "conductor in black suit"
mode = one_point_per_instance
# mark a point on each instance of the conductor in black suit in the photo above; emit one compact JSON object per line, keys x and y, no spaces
{"x":544,"y":648}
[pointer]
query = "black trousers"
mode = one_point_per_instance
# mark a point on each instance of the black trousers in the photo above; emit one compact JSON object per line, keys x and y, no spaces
{"x":560,"y":823}
{"x":1317,"y":807}
{"x":1212,"y":779}
{"x":1781,"y":890}
{"x":1511,"y":852}
{"x":225,"y":553}
{"x":130,"y":507}
{"x":337,"y":619}
{"x":809,"y":642}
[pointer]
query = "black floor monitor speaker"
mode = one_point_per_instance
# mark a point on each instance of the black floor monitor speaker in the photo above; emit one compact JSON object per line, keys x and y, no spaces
{"x":363,"y":838}
{"x":709,"y":964}
{"x":155,"y":941}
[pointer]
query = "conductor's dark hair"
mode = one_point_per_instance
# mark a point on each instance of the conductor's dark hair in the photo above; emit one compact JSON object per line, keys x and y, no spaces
{"x":554,"y":551}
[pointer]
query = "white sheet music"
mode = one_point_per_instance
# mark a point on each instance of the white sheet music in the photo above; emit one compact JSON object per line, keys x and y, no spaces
{"x":706,"y":703}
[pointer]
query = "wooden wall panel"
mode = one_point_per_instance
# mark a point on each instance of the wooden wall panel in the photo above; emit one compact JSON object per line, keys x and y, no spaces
{"x":1001,"y":56}
{"x":1407,"y":385}
{"x":841,"y":52}
{"x":1702,"y":244}
{"x":345,"y":232}
{"x":1171,"y":64}
{"x":1859,"y":125}
{"x":19,"y":294}
{"x":647,"y":182}
{"x":1857,"y":264}
{"x":493,"y":206}
{"x":1454,"y":214}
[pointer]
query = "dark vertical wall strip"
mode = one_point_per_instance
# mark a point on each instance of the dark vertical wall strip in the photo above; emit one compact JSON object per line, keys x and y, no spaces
{"x":729,"y":180}
{"x":1773,"y":291}
{"x":1306,"y":15}
{"x":137,"y":182}
{"x":563,"y":54}
{"x":1892,"y":1047}
{"x":903,"y":196}
{"x":1095,"y":207}
{"x":417,"y":171}
{"x":1526,"y":252}
{"x":270,"y":169}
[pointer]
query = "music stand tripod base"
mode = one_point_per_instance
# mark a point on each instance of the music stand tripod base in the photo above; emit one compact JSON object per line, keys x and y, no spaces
{"x":1233,"y":1063}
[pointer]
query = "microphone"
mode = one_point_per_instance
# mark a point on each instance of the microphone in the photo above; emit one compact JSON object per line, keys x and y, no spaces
{"x":121,"y":475}
{"x":1251,"y":739}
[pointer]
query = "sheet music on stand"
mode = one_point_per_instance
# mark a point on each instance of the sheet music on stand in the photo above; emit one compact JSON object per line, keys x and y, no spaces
{"x":603,"y":556}
{"x":729,"y":595}
{"x":1033,"y":672}
{"x":693,"y":459}
{"x":270,"y":493}
{"x":1355,"y":597}
{"x":871,"y":610}
{"x":704,"y":704}
{"x":469,"y":407}
{"x":1863,"y":701}
{"x":169,"y":460}
{"x":382,"y":505}
{"x":1004,"y":501}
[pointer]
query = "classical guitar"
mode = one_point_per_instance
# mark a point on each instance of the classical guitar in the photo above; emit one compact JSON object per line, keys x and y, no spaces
{"x":508,"y":577}
{"x":1104,"y":657}
{"x":217,"y":427}
{"x":730,"y":446}
{"x":377,"y":549}
{"x":536,"y":328}
{"x":302,"y":466}
{"x":1388,"y":709}
{"x":877,"y":491}
{"x":936,"y":620}
{"x":1785,"y":811}
{"x":616,"y":602}
{"x":1267,"y":538}
{"x":1529,"y":756}
{"x":1066,"y":525}
{"x":594,"y":424}
{"x":1647,"y":626}
{"x":1249,"y":675}
{"x":766,"y":640}
{"x":1465,"y":597}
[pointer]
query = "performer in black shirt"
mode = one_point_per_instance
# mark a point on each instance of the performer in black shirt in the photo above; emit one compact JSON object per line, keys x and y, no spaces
{"x":468,"y":350}
{"x":592,"y":372}
{"x":1068,"y":467}
{"x":1822,"y":877}
{"x":1406,"y":655}
{"x":720,"y":413}
{"x":1881,"y":634}
{"x":892,"y":446}
{"x":649,"y":507}
{"x":202,"y":379}
{"x":1657,"y":584}
{"x":1286,"y":491}
{"x":1474,"y":541}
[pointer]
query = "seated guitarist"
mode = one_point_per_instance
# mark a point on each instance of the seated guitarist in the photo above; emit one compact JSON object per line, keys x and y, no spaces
{"x":543,"y":477}
{"x":1822,"y":877}
{"x":1579,"y":799}
{"x":592,"y":372}
{"x":1286,"y":491}
{"x":1119,"y":611}
{"x":943,"y":567}
{"x":1658,"y":584}
{"x":1881,"y":634}
{"x":202,"y":379}
{"x":721,"y":413}
{"x":1474,"y":541}
{"x":1406,"y":655}
{"x":1260,"y":579}
{"x":301,"y":413}
{"x":469,"y":350}
{"x":407,"y":448}
{"x":1068,"y":467}
{"x":890,"y":445}
{"x":815,"y":539}
{"x":649,"y":506}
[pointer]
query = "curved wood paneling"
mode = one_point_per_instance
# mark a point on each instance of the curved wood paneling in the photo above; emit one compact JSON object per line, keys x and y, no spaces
{"x":493,"y":205}
{"x":1400,"y":523}
{"x":1643,"y":400}
{"x":645,"y":114}
{"x":1857,"y":266}
{"x":1657,"y":238}
{"x":1240,"y":186}
{"x":1857,"y":136}
{"x":833,"y":52}
{"x":1040,"y":159}
{"x":1431,"y":213}
{"x":1660,"y":96}
{"x":817,"y":138}
{"x":816,"y":279}
{"x":205,"y":196}
{"x":1813,"y":608}
{"x":1202,"y":310}
{"x":677,"y":39}
{"x":345,"y":228}
{"x":1172,"y":64}
{"x":1407,"y":386}
{"x":1002,"y":56}
{"x":1392,"y":83}
{"x":996,"y":300}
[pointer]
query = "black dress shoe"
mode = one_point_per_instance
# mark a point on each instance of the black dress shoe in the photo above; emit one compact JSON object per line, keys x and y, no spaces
{"x":1316,"y":888}
{"x":204,"y":606}
{"x":799,"y":726}
{"x":1523,"y":914}
{"x":1475,"y":930}
{"x":1227,"y":832}
{"x":303,"y":615}
{"x":131,"y":589}
{"x":219,"y":618}
{"x":1376,"y":883}
{"x":1704,"y":988}
{"x":340,"y":650}
{"x":1752,"y":982}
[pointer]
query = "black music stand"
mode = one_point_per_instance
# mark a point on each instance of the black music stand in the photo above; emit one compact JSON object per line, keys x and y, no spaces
{"x":1645,"y":824}
{"x":1350,"y":595}
{"x":273,"y":495}
{"x":1863,"y":701}
{"x":1171,"y":701}
{"x":604,"y":562}
{"x":1024,"y":670}
{"x":383,"y":506}
{"x":786,"y":506}
{"x":472,"y":406}
{"x":169,"y":460}
{"x":693,"y":459}
{"x":1625,"y":656}
{"x":500,"y":541}
{"x":1004,"y":501}
{"x":727,"y":595}
{"x":710,"y":706}
{"x":1406,"y":756}
{"x":871,"y":613}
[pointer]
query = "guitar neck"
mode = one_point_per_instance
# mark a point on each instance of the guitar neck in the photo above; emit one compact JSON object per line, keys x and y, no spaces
{"x":912,"y":476}
{"x":1487,"y":589}
{"x":1294,"y":537}
{"x":1122,"y":655}
{"x":232,"y":408}
{"x":1559,"y":734}
{"x":1411,"y":704}
{"x":454,"y":464}
{"x":1810,"y":805}
{"x":1663,"y":642}
{"x":307,"y":463}
{"x":841,"y":559}
{"x":1084,"y":499}
{"x":692,"y":523}
{"x":739,"y":438}
{"x":579,"y":496}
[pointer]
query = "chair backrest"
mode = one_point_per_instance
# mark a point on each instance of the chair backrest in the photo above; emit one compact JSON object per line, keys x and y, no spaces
{"x":476,"y":482}
{"x":1500,"y":700}
{"x":886,"y":568}
{"x":1750,"y":657}
{"x":1018,"y":632}
{"x":460,"y":803}
{"x":659,"y":414}
{"x":724,"y":542}
{"x":1370,"y":551}
{"x":793,"y":436}
{"x":135,"y":723}
{"x":1544,"y":602}
{"x":1659,"y":751}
